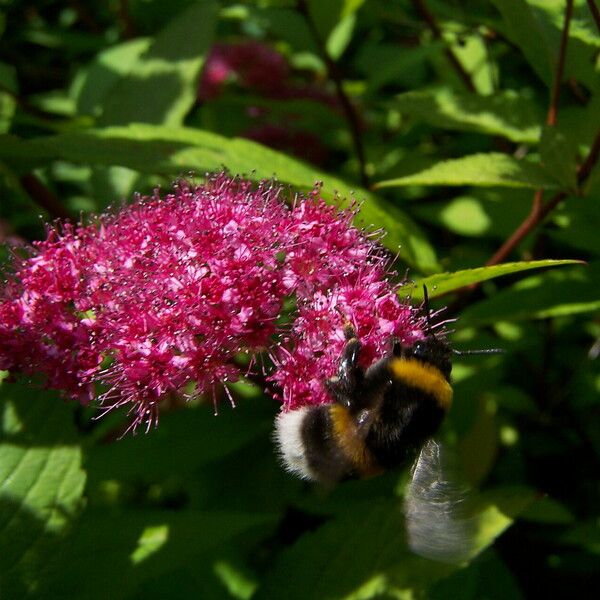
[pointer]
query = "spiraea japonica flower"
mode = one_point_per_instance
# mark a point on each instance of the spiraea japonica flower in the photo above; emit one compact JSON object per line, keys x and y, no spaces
{"x":162,"y":295}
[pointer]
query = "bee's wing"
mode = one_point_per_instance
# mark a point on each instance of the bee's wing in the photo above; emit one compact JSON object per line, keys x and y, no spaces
{"x":437,"y":523}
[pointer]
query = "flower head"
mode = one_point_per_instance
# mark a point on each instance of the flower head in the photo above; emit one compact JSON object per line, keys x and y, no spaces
{"x":167,"y":291}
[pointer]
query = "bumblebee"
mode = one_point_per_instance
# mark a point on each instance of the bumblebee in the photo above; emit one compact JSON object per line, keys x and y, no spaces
{"x":382,"y":418}
{"x":379,"y":418}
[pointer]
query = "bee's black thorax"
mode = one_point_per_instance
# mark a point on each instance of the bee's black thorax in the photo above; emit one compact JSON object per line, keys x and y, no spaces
{"x":406,"y":418}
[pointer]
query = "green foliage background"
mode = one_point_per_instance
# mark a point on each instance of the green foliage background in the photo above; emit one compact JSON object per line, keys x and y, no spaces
{"x":99,"y":99}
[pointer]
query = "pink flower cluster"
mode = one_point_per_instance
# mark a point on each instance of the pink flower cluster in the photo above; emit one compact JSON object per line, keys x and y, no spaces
{"x":256,"y":66}
{"x":259,"y":68}
{"x":166,"y":292}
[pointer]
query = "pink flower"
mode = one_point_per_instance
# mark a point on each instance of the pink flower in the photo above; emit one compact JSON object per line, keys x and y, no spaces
{"x":255,"y":66}
{"x":166,"y":292}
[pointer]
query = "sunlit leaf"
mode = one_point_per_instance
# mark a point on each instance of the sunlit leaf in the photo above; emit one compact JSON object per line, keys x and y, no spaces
{"x":552,"y":295}
{"x":442,"y":283}
{"x":161,"y":85}
{"x":492,"y":169}
{"x":507,"y":114}
{"x":174,"y":151}
{"x":41,"y":480}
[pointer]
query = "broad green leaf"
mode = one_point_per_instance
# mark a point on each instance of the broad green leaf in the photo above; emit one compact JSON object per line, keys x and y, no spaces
{"x":481,"y":212}
{"x":91,"y":87}
{"x":335,"y":21}
{"x":535,"y":27}
{"x":442,"y":283}
{"x":473,"y":583}
{"x":173,"y":151}
{"x":161,"y":85}
{"x":578,"y":224}
{"x":471,"y":52}
{"x":548,"y":510}
{"x":559,"y":156}
{"x":362,"y":553}
{"x":554,"y":294}
{"x":340,"y":36}
{"x":507,"y":114}
{"x":384,"y":64}
{"x":41,"y":482}
{"x":185,"y":440}
{"x":493,"y":169}
{"x":496,"y":509}
{"x":531,"y":33}
{"x":114,"y":554}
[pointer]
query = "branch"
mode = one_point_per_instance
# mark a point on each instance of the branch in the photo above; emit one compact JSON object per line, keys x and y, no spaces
{"x":349,"y":110}
{"x":125,"y":20}
{"x":595,"y":12}
{"x":560,"y":67}
{"x":539,"y":211}
{"x":430,"y":19}
{"x":43,"y":197}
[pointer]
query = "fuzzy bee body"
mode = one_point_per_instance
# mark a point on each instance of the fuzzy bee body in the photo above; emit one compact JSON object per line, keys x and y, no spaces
{"x":379,"y":418}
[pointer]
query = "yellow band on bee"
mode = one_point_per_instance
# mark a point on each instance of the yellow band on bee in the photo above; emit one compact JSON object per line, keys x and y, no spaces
{"x":351,"y":442}
{"x":424,"y":377}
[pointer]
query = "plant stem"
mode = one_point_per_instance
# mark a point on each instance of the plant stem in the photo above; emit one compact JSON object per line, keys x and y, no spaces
{"x":595,"y":12}
{"x":333,"y":71}
{"x":43,"y":197}
{"x":429,"y":18}
{"x":538,"y":210}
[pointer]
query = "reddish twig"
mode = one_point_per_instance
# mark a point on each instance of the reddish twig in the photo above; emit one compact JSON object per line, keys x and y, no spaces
{"x":333,"y":71}
{"x":43,"y":197}
{"x":539,"y":211}
{"x":560,"y":67}
{"x":431,"y":21}
{"x":595,"y":12}
{"x":125,"y":20}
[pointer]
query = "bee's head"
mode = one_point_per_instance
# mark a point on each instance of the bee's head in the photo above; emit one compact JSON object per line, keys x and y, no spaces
{"x":434,"y":351}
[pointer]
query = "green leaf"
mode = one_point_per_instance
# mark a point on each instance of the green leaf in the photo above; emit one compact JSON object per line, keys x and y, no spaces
{"x":172,"y":151}
{"x":535,"y":27}
{"x":111,"y":555}
{"x":8,"y":87}
{"x":473,"y":583}
{"x":335,"y":21}
{"x":496,"y":510}
{"x":559,"y":156}
{"x":578,"y":224}
{"x":363,"y":552}
{"x":384,"y":64}
{"x":92,"y":86}
{"x":185,"y":440}
{"x":554,"y":294}
{"x":507,"y":114}
{"x":340,"y":36}
{"x":161,"y":85}
{"x":493,"y":169}
{"x":42,"y":482}
{"x":442,"y":283}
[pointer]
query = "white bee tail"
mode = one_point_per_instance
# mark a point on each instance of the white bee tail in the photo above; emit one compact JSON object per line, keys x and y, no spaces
{"x":437,"y":522}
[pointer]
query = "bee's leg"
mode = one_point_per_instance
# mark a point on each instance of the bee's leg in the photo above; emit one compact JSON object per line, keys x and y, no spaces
{"x":397,"y":348}
{"x":343,"y":385}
